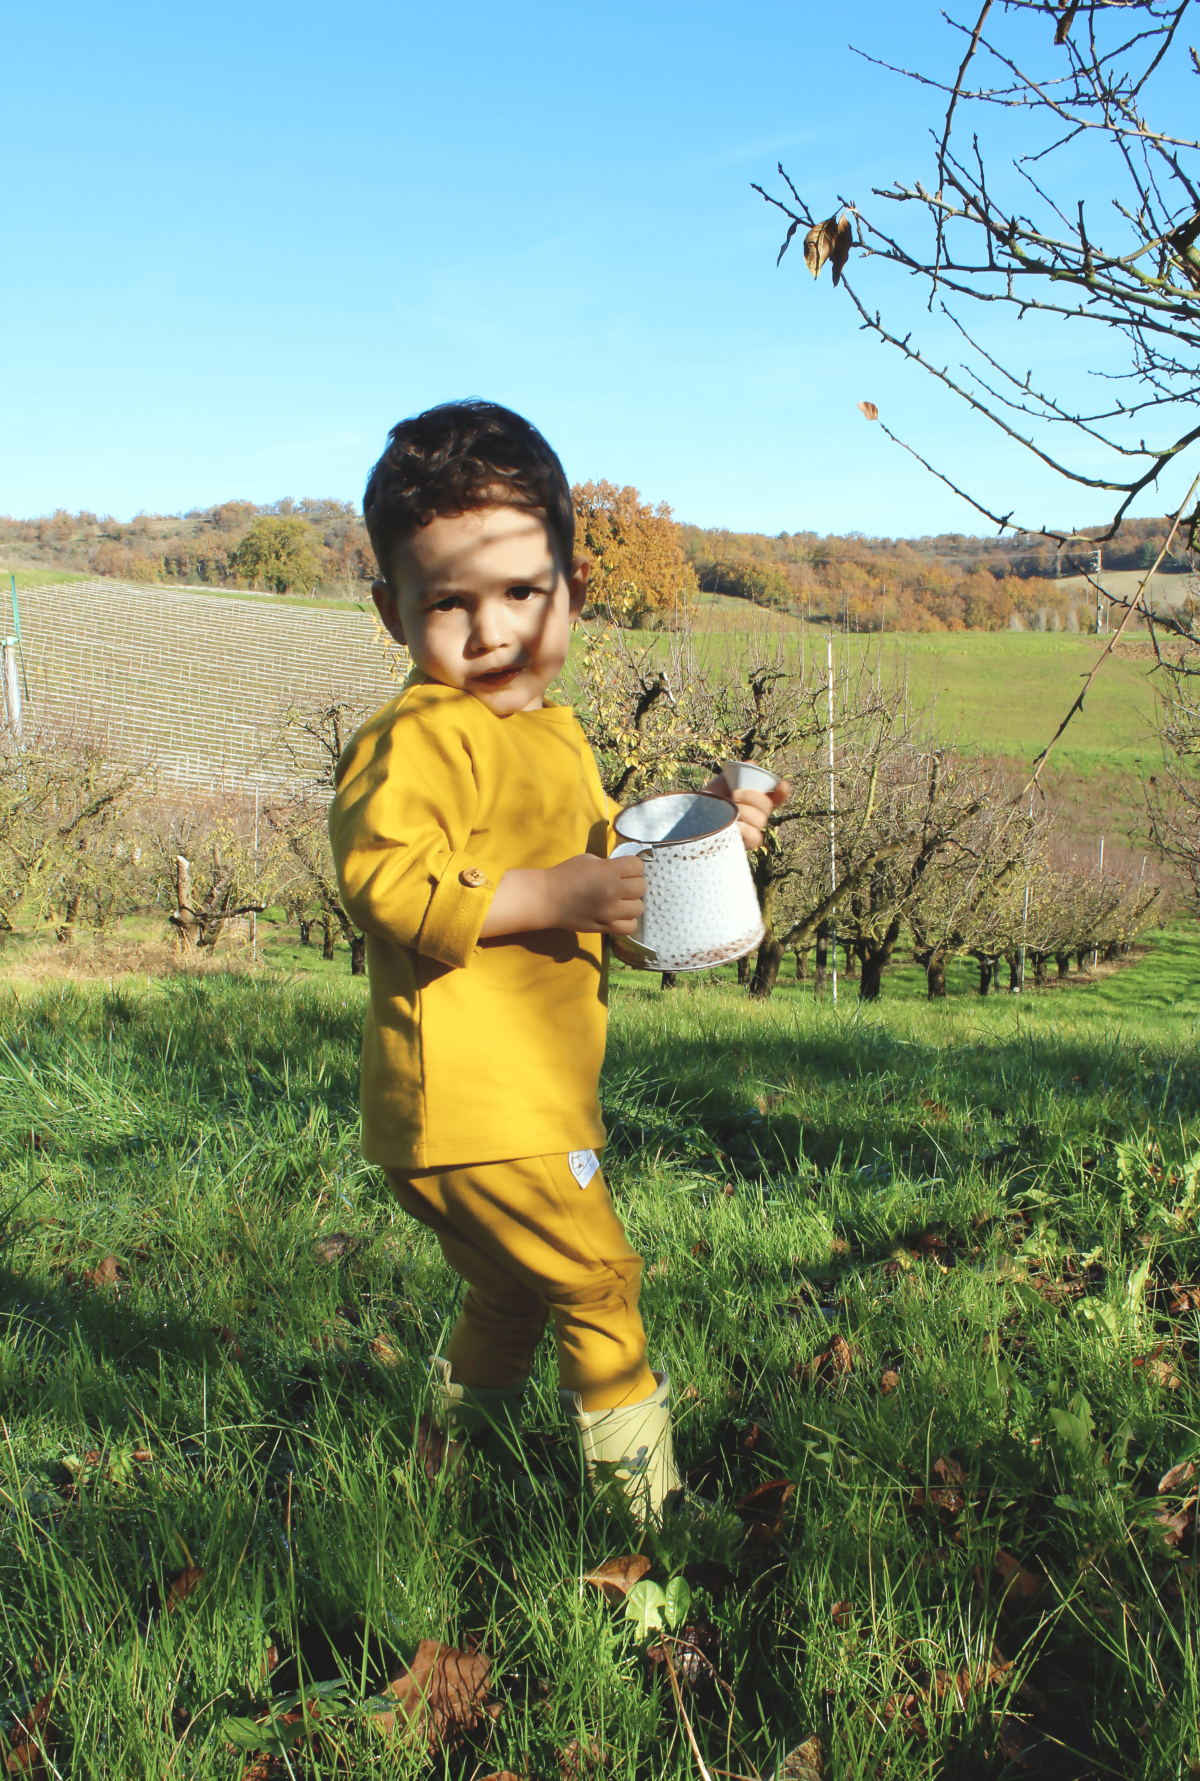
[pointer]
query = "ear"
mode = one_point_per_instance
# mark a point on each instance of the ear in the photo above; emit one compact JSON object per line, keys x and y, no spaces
{"x":577,"y":585}
{"x":388,"y":610}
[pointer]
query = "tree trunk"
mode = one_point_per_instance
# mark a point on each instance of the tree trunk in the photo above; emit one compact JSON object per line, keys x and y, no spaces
{"x":1110,"y":952}
{"x":985,"y":974}
{"x":305,"y":931}
{"x":1081,"y":959}
{"x":358,"y":955}
{"x":1039,"y":967}
{"x":766,"y":969}
{"x":184,"y":917}
{"x":935,"y":976}
{"x":743,"y":965}
{"x":328,"y":928}
{"x":875,"y":955}
{"x":801,"y":963}
{"x":1013,"y":960}
{"x":668,"y":979}
{"x":822,"y":963}
{"x":851,"y":966}
{"x":1063,"y":962}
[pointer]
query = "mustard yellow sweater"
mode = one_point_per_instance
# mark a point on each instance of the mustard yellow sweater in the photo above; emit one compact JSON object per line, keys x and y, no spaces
{"x":474,"y":1050}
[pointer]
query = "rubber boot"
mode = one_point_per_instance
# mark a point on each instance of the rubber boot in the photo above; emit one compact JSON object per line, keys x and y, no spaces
{"x":632,"y":1445}
{"x":486,"y":1418}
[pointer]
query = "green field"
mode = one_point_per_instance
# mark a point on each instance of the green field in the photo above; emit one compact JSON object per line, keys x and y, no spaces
{"x":926,"y":1280}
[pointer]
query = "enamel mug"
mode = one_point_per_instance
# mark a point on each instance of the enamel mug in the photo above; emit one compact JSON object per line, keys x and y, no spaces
{"x":701,"y":908}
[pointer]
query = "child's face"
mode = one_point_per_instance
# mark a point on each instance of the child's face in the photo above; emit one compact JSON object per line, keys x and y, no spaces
{"x":481,"y":603}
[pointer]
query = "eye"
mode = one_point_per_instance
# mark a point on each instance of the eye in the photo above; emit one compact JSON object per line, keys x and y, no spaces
{"x":522,"y":593}
{"x":449,"y":604}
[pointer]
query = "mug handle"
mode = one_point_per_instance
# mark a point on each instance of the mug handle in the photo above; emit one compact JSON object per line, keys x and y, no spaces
{"x":627,"y":848}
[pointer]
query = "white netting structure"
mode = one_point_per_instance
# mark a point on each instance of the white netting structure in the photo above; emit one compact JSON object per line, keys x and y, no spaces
{"x":195,"y":682}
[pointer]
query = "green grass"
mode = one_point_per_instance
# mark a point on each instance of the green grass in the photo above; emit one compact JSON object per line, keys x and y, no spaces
{"x":990,"y":1201}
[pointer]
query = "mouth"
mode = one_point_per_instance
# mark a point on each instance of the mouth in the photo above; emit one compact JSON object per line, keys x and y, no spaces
{"x":495,"y":678}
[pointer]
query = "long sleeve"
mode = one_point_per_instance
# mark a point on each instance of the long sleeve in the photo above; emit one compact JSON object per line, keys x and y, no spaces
{"x":399,"y":825}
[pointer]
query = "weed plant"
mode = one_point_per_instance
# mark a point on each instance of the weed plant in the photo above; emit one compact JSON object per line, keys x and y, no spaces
{"x":926,"y":1280}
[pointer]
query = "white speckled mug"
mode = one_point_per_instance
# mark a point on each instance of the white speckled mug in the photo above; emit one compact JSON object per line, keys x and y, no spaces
{"x":701,"y":909}
{"x":748,"y":776}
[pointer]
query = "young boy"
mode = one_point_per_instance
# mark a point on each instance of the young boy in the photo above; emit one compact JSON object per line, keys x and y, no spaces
{"x":471,"y":836}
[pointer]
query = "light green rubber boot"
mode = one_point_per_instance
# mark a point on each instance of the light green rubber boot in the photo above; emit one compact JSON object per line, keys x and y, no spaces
{"x":632,"y":1445}
{"x":485,"y":1417}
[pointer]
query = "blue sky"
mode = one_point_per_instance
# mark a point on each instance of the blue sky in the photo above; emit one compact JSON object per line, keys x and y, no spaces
{"x":242,"y":241}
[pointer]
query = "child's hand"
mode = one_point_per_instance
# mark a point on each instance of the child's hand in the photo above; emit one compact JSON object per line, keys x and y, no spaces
{"x":753,"y":808}
{"x":593,"y":896}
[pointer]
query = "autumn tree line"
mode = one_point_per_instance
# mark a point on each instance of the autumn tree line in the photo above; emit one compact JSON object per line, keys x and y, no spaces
{"x":649,"y":563}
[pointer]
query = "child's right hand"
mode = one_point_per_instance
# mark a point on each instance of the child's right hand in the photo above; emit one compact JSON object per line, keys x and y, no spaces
{"x":589,"y":895}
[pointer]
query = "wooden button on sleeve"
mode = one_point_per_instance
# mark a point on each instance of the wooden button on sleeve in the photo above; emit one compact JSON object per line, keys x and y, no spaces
{"x":472,"y":877}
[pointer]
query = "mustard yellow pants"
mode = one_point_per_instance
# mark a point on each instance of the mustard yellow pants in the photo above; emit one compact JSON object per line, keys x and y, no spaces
{"x":531,"y":1245}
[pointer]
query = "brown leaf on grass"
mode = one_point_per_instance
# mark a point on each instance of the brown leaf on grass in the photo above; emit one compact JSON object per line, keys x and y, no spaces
{"x":617,"y":1576}
{"x":1016,"y":1581}
{"x":1184,"y":1298}
{"x":934,"y":1109}
{"x":831,"y":1363}
{"x":105,"y":1273}
{"x":805,"y":1763}
{"x":702,"y":1250}
{"x":384,"y":1352}
{"x":1158,"y":1367}
{"x":1176,"y":1526}
{"x":888,"y":1382}
{"x":503,"y":1775}
{"x":1178,"y":1475}
{"x":762,"y":1508}
{"x":441,"y":1693}
{"x":830,"y":240}
{"x":182,"y":1586}
{"x":577,"y":1761}
{"x":435,"y":1449}
{"x":691,"y":1649}
{"x":947,"y":1496}
{"x":227,"y":1339}
{"x":335,"y":1245}
{"x":872,"y":414}
{"x":842,"y":1613}
{"x":30,"y":1739}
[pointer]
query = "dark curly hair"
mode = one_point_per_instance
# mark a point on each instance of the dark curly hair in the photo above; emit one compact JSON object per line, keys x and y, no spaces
{"x":456,"y":457}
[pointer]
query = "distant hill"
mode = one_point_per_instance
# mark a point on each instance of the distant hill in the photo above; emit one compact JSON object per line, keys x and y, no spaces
{"x":950,"y":582}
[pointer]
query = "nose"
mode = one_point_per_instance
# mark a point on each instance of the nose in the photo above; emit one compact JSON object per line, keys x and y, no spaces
{"x":488,"y":631}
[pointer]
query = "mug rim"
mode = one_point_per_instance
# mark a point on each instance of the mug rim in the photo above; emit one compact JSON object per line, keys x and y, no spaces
{"x":679,"y":840}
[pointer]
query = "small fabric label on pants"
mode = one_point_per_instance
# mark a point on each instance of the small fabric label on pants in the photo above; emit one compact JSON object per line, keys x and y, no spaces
{"x":583,"y":1165}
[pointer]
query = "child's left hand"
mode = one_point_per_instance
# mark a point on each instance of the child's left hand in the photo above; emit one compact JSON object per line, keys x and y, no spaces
{"x":753,"y":808}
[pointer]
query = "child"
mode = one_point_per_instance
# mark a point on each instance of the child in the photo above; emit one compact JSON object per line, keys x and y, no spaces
{"x":471,"y":836}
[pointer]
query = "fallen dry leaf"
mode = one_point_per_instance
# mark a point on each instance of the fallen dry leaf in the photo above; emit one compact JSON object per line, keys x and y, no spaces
{"x":385,"y":1352}
{"x":1183,"y":1473}
{"x":831,"y":1363}
{"x":335,"y":1245}
{"x":105,"y":1273}
{"x":502,"y":1775}
{"x":1158,"y":1368}
{"x":225,"y":1336}
{"x":182,"y":1586}
{"x":442,"y":1692}
{"x":805,"y":1763}
{"x":842,"y":1613}
{"x":1017,"y":1581}
{"x":576,"y":1761}
{"x":763,"y":1509}
{"x":888,"y":1382}
{"x":870,"y":410}
{"x":934,"y":1109}
{"x":1175,"y":1526}
{"x":617,"y":1576}
{"x":30,"y":1739}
